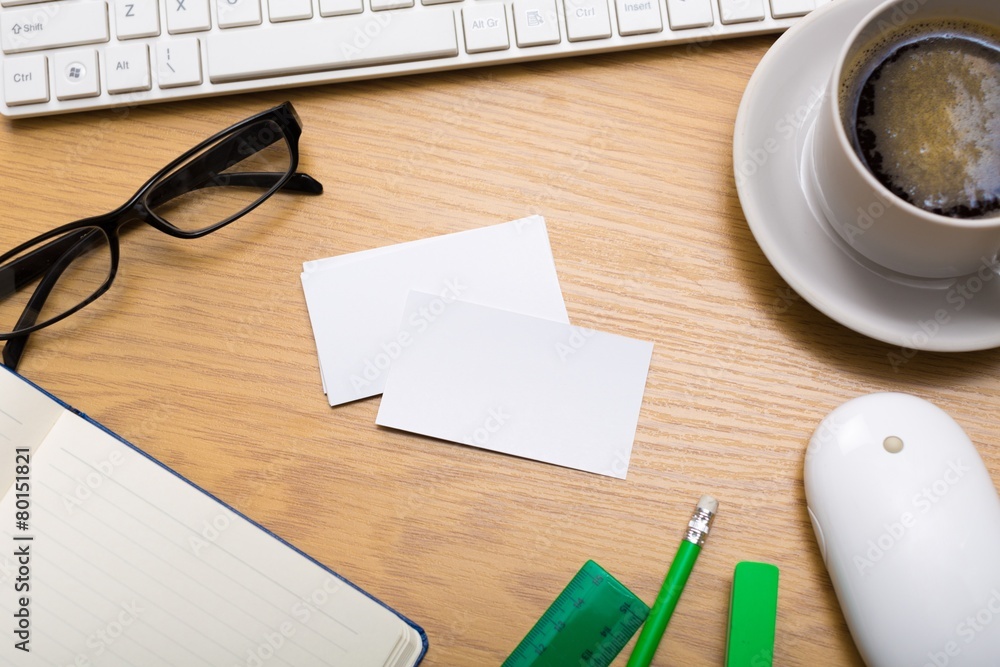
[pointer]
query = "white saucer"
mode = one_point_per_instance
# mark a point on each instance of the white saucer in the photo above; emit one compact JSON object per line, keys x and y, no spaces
{"x":773,"y":131}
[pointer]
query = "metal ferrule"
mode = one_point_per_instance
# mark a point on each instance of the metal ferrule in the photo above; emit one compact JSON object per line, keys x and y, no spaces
{"x":698,"y":526}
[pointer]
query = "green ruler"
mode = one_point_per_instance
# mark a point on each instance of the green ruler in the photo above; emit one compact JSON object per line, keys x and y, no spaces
{"x":587,"y":626}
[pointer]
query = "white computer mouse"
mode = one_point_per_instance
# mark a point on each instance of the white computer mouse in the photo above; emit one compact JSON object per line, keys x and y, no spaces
{"x":908,"y":521}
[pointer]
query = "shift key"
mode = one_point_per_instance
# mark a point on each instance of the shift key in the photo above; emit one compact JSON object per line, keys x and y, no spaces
{"x":52,"y":25}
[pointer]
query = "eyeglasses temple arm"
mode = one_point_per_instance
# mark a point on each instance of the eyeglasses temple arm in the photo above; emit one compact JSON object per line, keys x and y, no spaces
{"x":298,"y":182}
{"x":207,"y":167}
{"x":53,"y":271}
{"x":29,"y":266}
{"x":12,"y":351}
{"x":52,"y":275}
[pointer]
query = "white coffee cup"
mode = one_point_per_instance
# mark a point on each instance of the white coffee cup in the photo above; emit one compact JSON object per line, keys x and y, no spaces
{"x":875,"y":222}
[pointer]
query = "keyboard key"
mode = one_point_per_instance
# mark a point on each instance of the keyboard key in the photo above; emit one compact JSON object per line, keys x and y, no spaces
{"x":685,"y":14}
{"x":783,"y":9}
{"x":289,"y":10}
{"x":536,"y":22}
{"x":485,"y":27}
{"x":294,"y":48}
{"x":59,"y":24}
{"x":127,"y":68}
{"x":237,"y":13}
{"x":741,"y":11}
{"x":179,"y":63}
{"x":14,"y":3}
{"x":136,"y":18}
{"x":587,"y":19}
{"x":637,"y":17}
{"x":187,"y":16}
{"x":26,"y":80}
{"x":380,"y":5}
{"x":77,"y":74}
{"x":340,"y":7}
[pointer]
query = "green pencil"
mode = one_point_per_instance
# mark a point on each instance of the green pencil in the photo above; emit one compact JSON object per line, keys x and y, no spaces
{"x":673,"y":585}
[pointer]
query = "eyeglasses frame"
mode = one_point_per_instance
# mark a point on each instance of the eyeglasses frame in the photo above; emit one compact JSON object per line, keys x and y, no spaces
{"x":138,"y":209}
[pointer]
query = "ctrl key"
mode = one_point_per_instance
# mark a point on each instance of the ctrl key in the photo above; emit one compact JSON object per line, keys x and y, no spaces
{"x":25,"y":80}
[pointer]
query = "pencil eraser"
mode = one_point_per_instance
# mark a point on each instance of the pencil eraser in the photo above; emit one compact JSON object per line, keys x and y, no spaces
{"x":753,"y":615}
{"x":709,"y":504}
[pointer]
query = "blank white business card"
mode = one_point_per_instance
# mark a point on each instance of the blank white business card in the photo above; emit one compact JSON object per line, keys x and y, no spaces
{"x":355,"y":300}
{"x":518,"y":384}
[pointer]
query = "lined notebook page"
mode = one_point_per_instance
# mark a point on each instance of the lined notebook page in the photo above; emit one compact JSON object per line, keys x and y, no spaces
{"x":134,"y":567}
{"x":26,"y":417}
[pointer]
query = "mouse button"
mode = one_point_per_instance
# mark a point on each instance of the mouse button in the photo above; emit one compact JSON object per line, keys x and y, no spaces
{"x":840,"y":433}
{"x":818,"y":530}
{"x":836,"y":457}
{"x":901,"y":415}
{"x":847,"y":472}
{"x":920,"y":437}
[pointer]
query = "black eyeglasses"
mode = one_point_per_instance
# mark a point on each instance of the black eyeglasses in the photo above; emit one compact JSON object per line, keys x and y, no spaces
{"x":221,"y":179}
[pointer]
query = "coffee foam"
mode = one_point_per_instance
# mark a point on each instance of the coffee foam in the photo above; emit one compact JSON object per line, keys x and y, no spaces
{"x":863,"y":61}
{"x":933,"y":137}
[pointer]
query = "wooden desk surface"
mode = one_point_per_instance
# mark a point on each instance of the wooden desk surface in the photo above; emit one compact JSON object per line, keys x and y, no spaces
{"x":202,"y":353}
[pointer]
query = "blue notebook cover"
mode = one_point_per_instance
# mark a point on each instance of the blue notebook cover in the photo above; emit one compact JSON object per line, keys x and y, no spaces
{"x":302,"y":616}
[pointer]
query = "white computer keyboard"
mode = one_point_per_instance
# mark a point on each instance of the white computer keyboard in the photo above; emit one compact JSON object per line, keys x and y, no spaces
{"x":71,"y":55}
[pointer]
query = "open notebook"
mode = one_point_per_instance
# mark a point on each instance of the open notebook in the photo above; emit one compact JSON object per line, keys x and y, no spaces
{"x":131,"y":565}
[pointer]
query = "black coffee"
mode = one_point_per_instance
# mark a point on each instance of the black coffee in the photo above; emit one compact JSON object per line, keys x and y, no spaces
{"x":924,"y":112}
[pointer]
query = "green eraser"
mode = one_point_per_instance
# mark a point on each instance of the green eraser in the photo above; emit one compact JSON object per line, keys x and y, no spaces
{"x":753,"y":614}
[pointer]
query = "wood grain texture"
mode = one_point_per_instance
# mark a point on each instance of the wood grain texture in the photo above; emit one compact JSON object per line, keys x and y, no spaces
{"x":202,"y":353}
